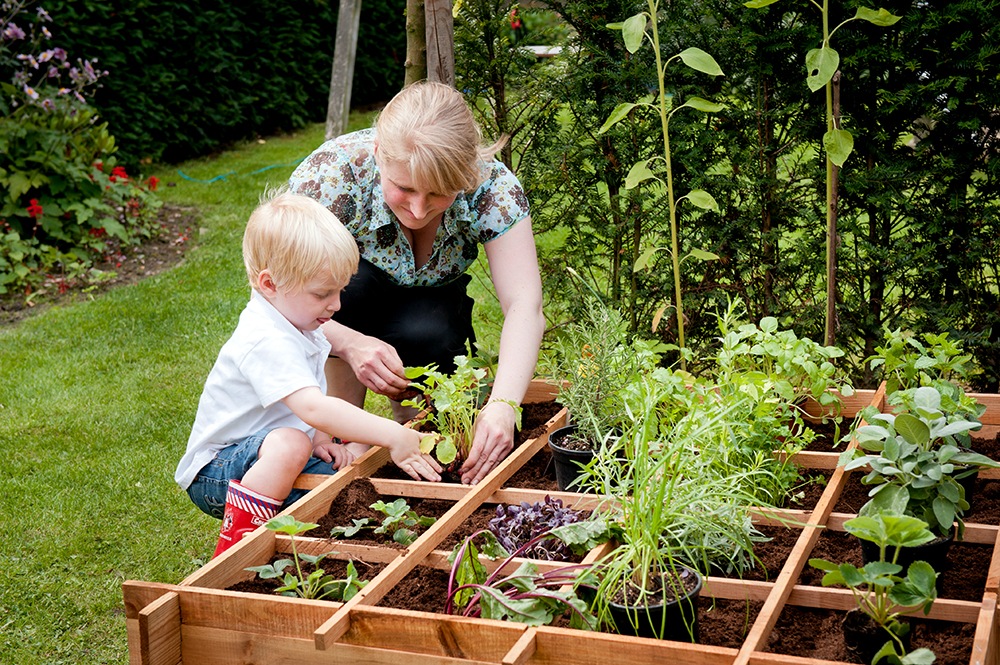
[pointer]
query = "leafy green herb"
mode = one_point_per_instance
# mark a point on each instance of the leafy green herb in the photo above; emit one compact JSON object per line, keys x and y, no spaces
{"x":452,"y":403}
{"x":401,"y":522}
{"x":317,"y":585}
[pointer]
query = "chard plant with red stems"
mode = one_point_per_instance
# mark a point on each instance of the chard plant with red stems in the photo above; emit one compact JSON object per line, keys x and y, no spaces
{"x":527,"y":595}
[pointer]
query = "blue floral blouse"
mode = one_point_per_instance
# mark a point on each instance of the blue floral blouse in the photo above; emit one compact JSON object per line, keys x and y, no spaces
{"x":342,"y":175}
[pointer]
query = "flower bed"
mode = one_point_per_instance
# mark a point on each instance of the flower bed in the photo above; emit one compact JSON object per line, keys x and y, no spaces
{"x":201,"y":621}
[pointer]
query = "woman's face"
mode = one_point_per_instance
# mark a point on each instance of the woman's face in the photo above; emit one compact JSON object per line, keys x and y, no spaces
{"x":415,"y":208}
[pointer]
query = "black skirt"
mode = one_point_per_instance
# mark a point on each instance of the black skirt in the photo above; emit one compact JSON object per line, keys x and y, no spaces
{"x":425,"y":324}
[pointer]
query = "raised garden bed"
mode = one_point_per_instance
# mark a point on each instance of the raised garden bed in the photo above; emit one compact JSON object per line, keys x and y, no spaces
{"x":210,"y":619}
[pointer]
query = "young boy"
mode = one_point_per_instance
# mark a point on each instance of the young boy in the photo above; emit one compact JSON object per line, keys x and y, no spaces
{"x":264,"y":416}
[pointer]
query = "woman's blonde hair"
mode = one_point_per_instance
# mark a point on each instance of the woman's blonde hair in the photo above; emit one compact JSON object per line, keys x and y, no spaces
{"x":428,"y":128}
{"x":296,"y":239}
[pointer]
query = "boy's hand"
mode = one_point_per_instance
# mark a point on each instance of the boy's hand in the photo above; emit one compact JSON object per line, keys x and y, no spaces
{"x":337,"y":455}
{"x":415,"y":464}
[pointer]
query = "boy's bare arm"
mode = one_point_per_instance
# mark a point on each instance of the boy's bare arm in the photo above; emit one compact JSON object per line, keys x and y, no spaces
{"x":349,"y":423}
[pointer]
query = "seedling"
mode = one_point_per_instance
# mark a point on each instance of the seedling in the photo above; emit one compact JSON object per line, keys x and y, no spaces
{"x":878,"y":589}
{"x":317,"y":585}
{"x":400,"y":523}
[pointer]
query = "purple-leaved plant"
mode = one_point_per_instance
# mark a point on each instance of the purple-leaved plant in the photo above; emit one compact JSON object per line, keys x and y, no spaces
{"x":516,"y":525}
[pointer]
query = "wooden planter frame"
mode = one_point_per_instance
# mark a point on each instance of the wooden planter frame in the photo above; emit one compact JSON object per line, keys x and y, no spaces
{"x":198,"y":621}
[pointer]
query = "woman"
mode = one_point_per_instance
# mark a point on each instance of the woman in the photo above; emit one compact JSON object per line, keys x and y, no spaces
{"x":420,"y":192}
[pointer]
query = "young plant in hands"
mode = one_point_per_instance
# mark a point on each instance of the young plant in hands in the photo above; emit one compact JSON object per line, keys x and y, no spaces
{"x":451,"y":403}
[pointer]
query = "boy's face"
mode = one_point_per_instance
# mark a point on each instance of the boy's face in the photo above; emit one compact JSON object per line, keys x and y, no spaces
{"x":309,"y":307}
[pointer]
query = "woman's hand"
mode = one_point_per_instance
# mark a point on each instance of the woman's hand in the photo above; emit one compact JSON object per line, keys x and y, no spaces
{"x":377,"y":365}
{"x":493,"y":442}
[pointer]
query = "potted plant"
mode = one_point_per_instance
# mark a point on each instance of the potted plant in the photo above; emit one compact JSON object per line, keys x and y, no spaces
{"x":674,"y":516}
{"x":594,"y":362}
{"x":882,"y":597}
{"x":915,"y":464}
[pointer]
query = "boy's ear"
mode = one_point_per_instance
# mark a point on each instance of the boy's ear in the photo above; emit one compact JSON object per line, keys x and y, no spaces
{"x":265,"y":283}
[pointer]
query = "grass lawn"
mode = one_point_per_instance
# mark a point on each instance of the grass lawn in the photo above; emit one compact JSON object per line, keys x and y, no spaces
{"x":96,"y":402}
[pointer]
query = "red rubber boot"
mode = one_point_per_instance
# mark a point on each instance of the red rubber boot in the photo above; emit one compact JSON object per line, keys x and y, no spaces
{"x":245,"y":511}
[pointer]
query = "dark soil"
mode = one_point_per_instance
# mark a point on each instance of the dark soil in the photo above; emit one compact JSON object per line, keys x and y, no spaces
{"x":354,"y":503}
{"x":125,"y":265}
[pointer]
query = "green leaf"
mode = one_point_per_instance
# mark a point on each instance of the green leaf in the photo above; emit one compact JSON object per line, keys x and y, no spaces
{"x":921,"y":656}
{"x":633,"y":30}
{"x":446,"y":450}
{"x":643,"y":261}
{"x":703,"y":200}
{"x":913,"y":429}
{"x":757,"y":4}
{"x":638,"y":173}
{"x":881,"y":18}
{"x":821,"y":63}
{"x":838,"y":143}
{"x":700,"y":61}
{"x":288,"y":525}
{"x":703,"y":255}
{"x":702,"y":105}
{"x":616,"y":116}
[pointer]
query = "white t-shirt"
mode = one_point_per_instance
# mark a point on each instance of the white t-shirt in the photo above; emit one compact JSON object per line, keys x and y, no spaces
{"x":265,"y":360}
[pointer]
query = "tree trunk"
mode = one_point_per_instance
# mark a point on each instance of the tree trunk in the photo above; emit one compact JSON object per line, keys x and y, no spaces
{"x":440,"y":42}
{"x":342,"y":76}
{"x":416,"y":43}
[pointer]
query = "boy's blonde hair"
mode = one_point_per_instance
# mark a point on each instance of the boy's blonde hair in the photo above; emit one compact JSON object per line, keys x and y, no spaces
{"x":295,"y":238}
{"x":428,"y":128}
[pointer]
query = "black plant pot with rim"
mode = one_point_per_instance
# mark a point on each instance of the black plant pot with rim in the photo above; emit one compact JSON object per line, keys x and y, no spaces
{"x":675,"y":620}
{"x":864,"y":638}
{"x":568,"y":462}
{"x":934,"y":552}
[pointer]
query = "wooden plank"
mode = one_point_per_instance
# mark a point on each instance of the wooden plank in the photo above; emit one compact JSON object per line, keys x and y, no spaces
{"x":439,"y":27}
{"x":431,"y":634}
{"x":523,"y":649}
{"x":254,"y":613}
{"x":160,"y":631}
{"x":559,"y":646}
{"x":986,"y":642}
{"x":785,"y":581}
{"x":221,"y":646}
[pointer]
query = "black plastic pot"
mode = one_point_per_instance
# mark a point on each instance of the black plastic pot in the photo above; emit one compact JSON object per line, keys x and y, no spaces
{"x":864,"y":638}
{"x":676,"y":620}
{"x":935,"y":553}
{"x":567,"y":462}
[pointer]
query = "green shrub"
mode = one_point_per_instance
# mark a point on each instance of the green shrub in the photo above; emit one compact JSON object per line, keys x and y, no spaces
{"x":65,"y":200}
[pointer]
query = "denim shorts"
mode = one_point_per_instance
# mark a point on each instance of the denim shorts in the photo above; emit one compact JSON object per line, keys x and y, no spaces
{"x":208,"y":491}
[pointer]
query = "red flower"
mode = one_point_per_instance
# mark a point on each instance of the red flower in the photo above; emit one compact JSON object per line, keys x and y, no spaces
{"x":153,"y":183}
{"x":118,"y":172}
{"x":34,"y":210}
{"x":99,"y":166}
